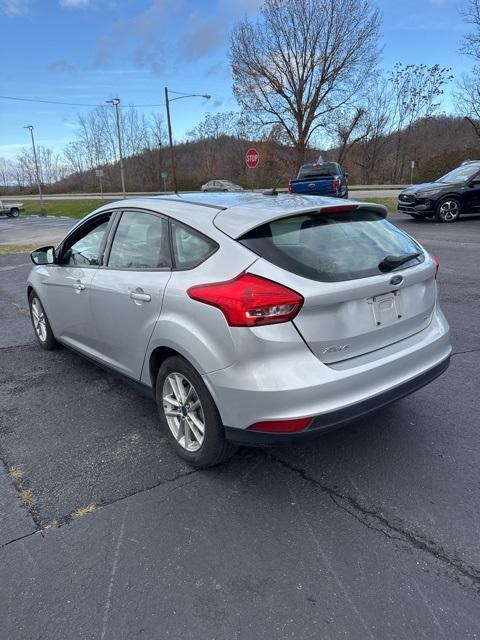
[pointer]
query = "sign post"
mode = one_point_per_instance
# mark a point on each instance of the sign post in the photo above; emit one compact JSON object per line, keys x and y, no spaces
{"x":99,"y":174}
{"x":164,"y":175}
{"x":252,"y":158}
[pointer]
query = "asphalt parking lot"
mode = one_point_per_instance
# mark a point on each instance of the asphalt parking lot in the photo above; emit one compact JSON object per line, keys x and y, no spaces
{"x":34,"y":229}
{"x":371,"y":531}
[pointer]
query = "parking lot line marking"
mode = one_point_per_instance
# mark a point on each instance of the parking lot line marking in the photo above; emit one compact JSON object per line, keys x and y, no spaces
{"x":328,"y":564}
{"x":112,"y":577}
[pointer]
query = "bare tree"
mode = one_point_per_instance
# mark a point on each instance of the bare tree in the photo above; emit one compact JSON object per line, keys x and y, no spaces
{"x":376,"y":126}
{"x":7,"y":173}
{"x":468,"y":95}
{"x":347,"y":130}
{"x":471,"y":41}
{"x":416,"y":92}
{"x":468,"y":99}
{"x":301,"y":60}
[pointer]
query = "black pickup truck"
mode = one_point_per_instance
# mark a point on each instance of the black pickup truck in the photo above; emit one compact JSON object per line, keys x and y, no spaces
{"x":322,"y":179}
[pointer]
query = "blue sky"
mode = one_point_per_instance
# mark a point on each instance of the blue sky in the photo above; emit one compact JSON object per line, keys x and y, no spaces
{"x":87,"y":51}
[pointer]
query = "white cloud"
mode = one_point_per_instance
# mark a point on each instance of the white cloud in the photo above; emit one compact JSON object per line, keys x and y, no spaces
{"x":75,"y":4}
{"x":13,"y":7}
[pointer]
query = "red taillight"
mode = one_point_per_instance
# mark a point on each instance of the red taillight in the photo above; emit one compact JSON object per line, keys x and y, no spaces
{"x":249,"y":301}
{"x":281,"y":426}
{"x":343,"y":208}
{"x":289,"y":187}
{"x":437,"y":264}
{"x":335,"y":184}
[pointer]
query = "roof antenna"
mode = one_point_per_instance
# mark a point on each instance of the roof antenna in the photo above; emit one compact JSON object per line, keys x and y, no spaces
{"x":273,"y":191}
{"x":270,"y":192}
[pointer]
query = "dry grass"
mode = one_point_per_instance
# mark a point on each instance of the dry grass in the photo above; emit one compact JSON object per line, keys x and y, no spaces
{"x":21,"y":308}
{"x":8,"y":249}
{"x":16,"y":473}
{"x":83,"y":511}
{"x":27,"y":498}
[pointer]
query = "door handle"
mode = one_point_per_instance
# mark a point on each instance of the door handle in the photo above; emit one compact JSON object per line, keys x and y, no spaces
{"x":79,"y":286}
{"x":136,"y":295}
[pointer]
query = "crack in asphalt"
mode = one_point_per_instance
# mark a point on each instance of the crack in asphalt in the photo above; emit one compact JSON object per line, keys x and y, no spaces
{"x":27,"y":535}
{"x":459,"y":353}
{"x":368,"y":517}
{"x":67,"y":519}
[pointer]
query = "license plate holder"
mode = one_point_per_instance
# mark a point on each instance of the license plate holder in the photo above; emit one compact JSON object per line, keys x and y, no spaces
{"x":385,"y":308}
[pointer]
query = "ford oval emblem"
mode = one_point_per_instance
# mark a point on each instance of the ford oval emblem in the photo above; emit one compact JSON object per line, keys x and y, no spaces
{"x":396,"y":280}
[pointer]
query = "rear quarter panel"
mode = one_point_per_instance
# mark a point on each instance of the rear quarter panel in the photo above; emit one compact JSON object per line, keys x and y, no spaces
{"x":197,"y":331}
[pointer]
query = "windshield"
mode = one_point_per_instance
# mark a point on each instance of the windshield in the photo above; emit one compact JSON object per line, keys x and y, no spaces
{"x":311,"y":170}
{"x":462,"y":174}
{"x":332,"y":247}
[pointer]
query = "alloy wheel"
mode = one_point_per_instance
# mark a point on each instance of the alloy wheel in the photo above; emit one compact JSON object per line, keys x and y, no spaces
{"x":183,"y":412}
{"x":39,"y":320}
{"x":449,"y":210}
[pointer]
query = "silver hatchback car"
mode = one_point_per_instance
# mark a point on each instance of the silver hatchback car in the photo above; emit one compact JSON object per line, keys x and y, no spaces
{"x":251,"y":319}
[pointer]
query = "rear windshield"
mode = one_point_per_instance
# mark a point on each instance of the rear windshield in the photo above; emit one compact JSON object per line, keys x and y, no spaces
{"x":312,"y":170}
{"x":331,"y":247}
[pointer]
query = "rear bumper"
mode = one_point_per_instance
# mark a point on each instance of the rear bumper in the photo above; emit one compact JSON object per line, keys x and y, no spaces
{"x":340,"y":417}
{"x":287,"y":383}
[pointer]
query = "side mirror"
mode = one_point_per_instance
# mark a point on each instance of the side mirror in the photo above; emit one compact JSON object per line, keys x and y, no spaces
{"x":44,"y":255}
{"x":474,"y":183}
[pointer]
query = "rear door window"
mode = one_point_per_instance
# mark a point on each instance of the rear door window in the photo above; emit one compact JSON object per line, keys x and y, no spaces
{"x":331,"y":247}
{"x":190,"y":248}
{"x":140,"y":242}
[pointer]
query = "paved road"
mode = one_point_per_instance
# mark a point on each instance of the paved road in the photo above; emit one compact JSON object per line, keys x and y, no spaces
{"x":368,"y":532}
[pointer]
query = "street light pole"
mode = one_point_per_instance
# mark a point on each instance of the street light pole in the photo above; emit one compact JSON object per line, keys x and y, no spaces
{"x":169,"y":123}
{"x":115,"y":102}
{"x":43,"y":211}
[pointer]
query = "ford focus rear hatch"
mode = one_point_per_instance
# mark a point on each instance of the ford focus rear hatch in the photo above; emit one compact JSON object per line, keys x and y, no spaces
{"x":365,"y":283}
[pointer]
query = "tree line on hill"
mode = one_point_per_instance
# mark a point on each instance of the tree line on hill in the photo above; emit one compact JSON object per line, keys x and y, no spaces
{"x":308,"y":85}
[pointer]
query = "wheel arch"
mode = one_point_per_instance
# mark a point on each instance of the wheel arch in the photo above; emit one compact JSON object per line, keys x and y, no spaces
{"x":447,"y":196}
{"x":156,"y":359}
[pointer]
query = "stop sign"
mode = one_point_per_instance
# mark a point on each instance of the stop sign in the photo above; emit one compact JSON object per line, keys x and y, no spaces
{"x":252,"y":158}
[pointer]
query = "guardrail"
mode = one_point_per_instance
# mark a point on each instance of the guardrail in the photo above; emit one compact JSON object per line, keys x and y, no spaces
{"x":114,"y":195}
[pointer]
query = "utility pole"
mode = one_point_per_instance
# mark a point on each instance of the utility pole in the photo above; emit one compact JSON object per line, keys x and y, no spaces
{"x":115,"y":102}
{"x":172,"y":153}
{"x":169,"y":122}
{"x":43,"y":211}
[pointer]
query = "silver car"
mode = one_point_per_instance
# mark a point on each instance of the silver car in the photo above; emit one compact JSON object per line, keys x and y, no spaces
{"x":251,"y":319}
{"x":220,"y":185}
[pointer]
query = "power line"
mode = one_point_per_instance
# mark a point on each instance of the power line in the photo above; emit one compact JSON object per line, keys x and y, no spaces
{"x":77,"y":104}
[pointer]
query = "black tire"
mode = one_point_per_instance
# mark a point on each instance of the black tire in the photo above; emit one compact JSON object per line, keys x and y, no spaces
{"x":448,"y":210}
{"x":15,"y":212}
{"x":213,"y":449}
{"x":44,"y":336}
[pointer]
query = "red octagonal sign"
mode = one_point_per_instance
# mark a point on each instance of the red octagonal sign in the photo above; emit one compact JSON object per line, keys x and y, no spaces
{"x":252,"y":158}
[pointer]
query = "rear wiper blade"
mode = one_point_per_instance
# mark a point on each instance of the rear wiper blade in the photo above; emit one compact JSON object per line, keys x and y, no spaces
{"x":389,"y":263}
